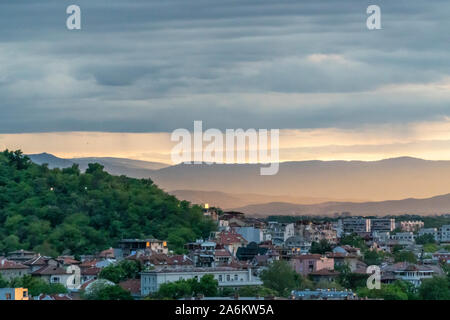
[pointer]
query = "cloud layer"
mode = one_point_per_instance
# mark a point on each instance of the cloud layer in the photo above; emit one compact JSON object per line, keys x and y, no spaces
{"x":154,"y":66}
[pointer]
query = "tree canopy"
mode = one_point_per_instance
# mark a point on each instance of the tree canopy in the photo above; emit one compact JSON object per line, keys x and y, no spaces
{"x":53,"y":211}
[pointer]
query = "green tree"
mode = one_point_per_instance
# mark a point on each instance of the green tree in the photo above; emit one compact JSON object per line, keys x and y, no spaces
{"x":405,"y":256}
{"x":436,"y":288}
{"x":372,"y":257}
{"x":320,"y":247}
{"x":109,"y":292}
{"x":281,"y":278}
{"x":425,"y":239}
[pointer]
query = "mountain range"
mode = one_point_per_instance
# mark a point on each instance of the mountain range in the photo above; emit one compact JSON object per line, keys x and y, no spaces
{"x":390,"y":186}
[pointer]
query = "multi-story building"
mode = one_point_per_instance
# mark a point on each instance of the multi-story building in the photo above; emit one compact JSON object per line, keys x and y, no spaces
{"x":403,"y":238}
{"x":411,"y":226}
{"x":130,"y":246}
{"x":280,"y":232}
{"x":382,"y":225}
{"x":444,"y":235}
{"x":251,"y":234}
{"x":356,"y":225}
{"x":432,"y":231}
{"x":226,"y":277}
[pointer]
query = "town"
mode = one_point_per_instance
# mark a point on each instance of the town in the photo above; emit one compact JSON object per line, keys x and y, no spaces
{"x":303,"y":258}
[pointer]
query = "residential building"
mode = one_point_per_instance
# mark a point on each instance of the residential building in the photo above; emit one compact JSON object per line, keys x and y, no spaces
{"x":231,"y":241}
{"x":403,"y":238}
{"x":14,"y":294}
{"x":53,"y":274}
{"x":226,"y":276}
{"x":382,"y":225}
{"x":130,"y":246}
{"x":431,"y":231}
{"x":21,"y":256}
{"x":356,"y":225}
{"x":280,"y":232}
{"x":307,"y":263}
{"x":445,"y":233}
{"x":11,"y":269}
{"x":411,"y":226}
{"x":251,"y":234}
{"x":407,"y":272}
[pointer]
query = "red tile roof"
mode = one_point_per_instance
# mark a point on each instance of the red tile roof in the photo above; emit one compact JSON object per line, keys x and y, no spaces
{"x":7,"y":264}
{"x":49,"y":270}
{"x":228,"y":238}
{"x":131,"y":285}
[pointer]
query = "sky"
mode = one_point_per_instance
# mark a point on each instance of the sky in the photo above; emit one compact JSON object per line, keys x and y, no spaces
{"x":139,"y":69}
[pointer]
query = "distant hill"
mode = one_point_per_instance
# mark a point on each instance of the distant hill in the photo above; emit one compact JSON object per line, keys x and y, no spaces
{"x":390,"y":179}
{"x":434,"y":205}
{"x":232,"y":200}
{"x":115,"y":166}
{"x":54,"y":211}
{"x":348,"y":184}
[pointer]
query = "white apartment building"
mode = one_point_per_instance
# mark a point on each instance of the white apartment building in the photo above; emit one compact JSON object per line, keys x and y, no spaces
{"x":403,"y":238}
{"x":356,"y":225}
{"x":444,"y":234}
{"x":382,"y":225}
{"x":432,"y":231}
{"x":226,"y":277}
{"x":280,"y":232}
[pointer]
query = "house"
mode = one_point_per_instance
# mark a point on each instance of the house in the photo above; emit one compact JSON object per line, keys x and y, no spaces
{"x":130,"y":246}
{"x":21,"y":256}
{"x":14,"y":294}
{"x":407,"y":272}
{"x":280,"y":232}
{"x":133,"y":286}
{"x":107,"y":254}
{"x":307,"y":263}
{"x":226,"y":276}
{"x":39,"y":261}
{"x":11,"y":269}
{"x":90,"y":273}
{"x":250,"y":251}
{"x":53,"y":274}
{"x":231,"y":241}
{"x":351,"y":260}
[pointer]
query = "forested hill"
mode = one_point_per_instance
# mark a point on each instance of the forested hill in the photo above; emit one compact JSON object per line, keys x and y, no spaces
{"x":54,"y":211}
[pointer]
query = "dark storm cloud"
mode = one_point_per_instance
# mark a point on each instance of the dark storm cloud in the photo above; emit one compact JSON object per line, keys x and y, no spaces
{"x":143,"y":65}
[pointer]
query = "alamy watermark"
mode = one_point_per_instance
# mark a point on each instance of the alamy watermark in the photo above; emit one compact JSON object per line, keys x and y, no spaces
{"x":235,"y":146}
{"x":374,"y":280}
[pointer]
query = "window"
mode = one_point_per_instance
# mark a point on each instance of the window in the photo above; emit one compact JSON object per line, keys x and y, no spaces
{"x":228,"y":277}
{"x":235,"y":277}
{"x":220,"y":278}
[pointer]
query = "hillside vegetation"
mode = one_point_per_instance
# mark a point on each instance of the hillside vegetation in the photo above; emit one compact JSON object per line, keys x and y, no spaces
{"x":56,"y":211}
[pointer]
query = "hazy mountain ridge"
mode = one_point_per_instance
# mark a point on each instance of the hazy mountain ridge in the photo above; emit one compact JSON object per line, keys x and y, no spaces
{"x":394,"y":186}
{"x":435,"y":205}
{"x":115,"y":166}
